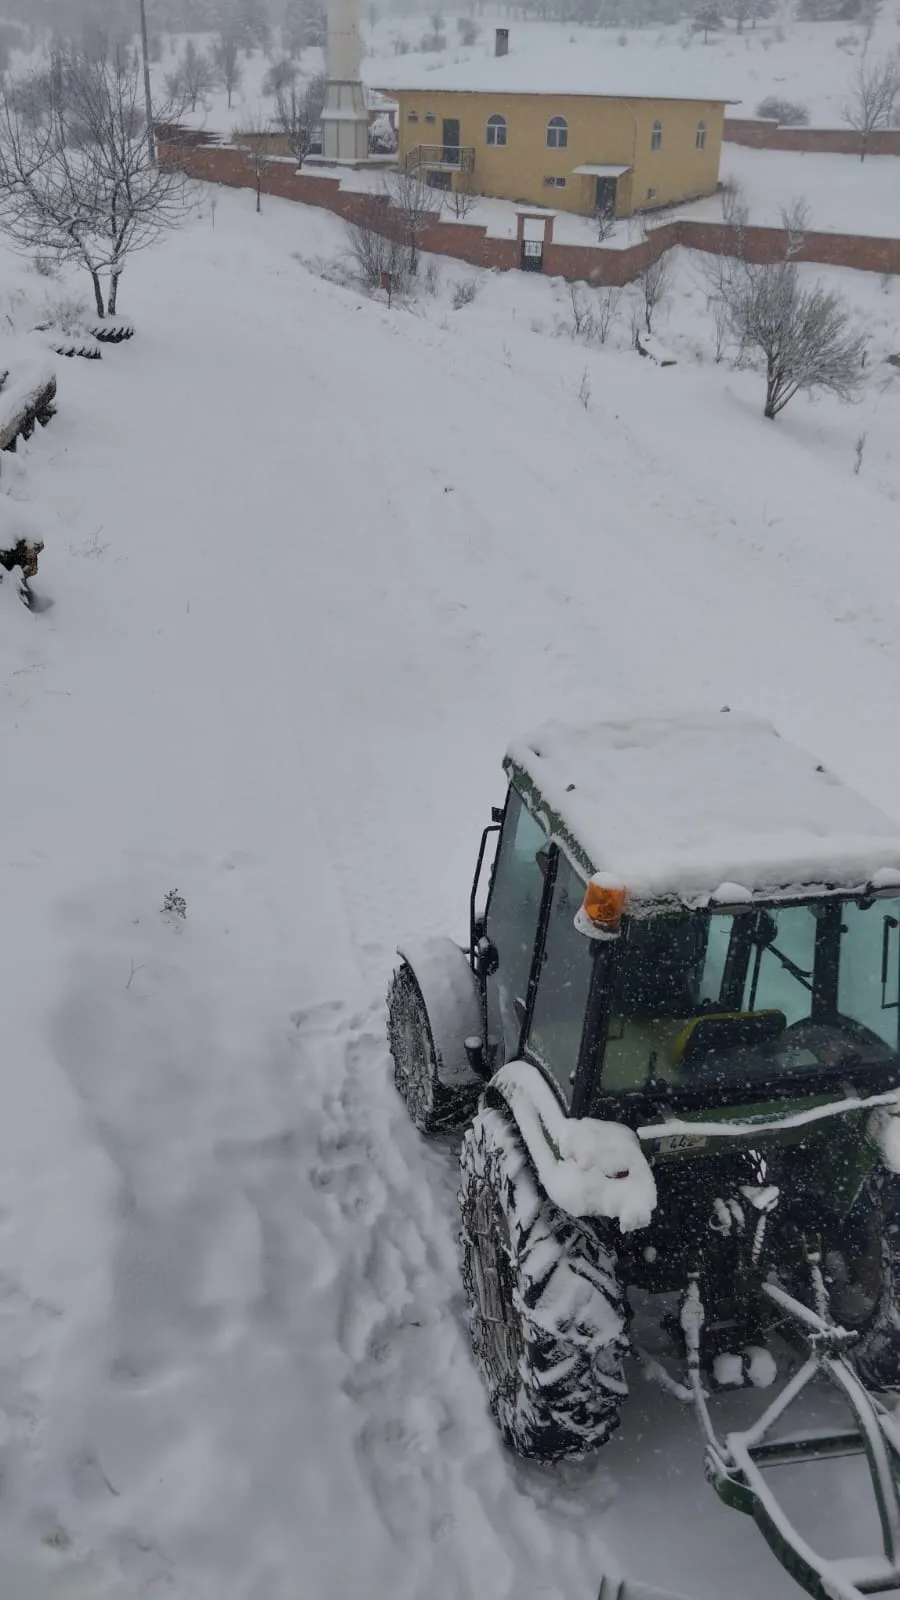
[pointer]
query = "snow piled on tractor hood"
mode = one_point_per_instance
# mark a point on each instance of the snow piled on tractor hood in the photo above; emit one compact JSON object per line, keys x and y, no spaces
{"x":707,"y":807}
{"x":588,"y":1168}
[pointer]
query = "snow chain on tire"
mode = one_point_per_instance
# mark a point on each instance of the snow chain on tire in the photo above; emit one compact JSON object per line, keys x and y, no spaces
{"x":548,"y":1318}
{"x":430,"y":1103}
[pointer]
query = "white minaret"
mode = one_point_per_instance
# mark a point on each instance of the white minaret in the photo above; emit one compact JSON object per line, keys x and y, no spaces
{"x":345,"y":121}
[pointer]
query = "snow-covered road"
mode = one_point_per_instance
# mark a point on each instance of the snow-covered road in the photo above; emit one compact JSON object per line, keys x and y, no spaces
{"x":312,"y":565}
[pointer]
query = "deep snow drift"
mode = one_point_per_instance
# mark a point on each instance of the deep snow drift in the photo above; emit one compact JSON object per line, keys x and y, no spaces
{"x":309,"y":566}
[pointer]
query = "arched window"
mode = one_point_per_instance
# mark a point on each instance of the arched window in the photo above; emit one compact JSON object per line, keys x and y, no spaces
{"x":495,"y":133}
{"x":656,"y":136}
{"x":700,"y":141}
{"x":557,"y":133}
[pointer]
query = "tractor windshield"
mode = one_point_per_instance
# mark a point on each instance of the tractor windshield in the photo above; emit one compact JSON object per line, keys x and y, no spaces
{"x":755,"y":995}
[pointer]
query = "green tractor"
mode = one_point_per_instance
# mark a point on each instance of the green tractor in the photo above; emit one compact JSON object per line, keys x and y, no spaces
{"x":673,"y":1049}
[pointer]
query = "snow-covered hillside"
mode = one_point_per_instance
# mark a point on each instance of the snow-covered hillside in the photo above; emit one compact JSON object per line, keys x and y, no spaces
{"x":310,"y":564}
{"x":808,"y":62}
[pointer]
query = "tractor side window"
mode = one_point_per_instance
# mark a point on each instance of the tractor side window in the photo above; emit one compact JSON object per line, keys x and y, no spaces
{"x":511,"y":923}
{"x":557,"y":1021}
{"x":717,"y":945}
{"x":870,"y":966}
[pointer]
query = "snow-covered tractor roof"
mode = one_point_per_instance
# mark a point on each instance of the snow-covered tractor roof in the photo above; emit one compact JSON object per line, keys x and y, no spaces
{"x":703,"y":809}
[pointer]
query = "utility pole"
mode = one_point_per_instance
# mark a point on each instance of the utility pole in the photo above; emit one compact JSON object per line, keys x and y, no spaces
{"x":148,"y":97}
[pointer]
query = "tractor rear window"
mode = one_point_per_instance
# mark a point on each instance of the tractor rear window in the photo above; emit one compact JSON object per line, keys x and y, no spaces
{"x":756,"y":994}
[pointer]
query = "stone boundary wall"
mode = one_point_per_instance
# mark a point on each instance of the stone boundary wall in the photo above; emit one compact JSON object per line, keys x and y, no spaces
{"x":765,"y":135}
{"x":467,"y":242}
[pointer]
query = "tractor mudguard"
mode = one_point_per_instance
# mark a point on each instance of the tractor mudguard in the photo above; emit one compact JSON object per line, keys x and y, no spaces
{"x":588,"y":1168}
{"x":449,"y":988}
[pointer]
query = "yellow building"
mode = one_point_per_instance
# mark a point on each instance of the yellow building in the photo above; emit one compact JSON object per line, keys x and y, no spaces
{"x":542,"y":133}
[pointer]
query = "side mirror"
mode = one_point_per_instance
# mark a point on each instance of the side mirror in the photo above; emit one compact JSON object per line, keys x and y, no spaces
{"x":497,"y":813}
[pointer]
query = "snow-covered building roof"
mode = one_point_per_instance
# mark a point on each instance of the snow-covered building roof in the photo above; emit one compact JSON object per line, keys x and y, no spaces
{"x":558,"y":71}
{"x":705,"y":808}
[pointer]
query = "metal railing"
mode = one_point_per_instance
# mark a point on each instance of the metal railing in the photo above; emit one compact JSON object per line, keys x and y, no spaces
{"x":450,"y":157}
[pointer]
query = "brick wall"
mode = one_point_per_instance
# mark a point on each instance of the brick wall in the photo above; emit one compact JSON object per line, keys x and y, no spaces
{"x":467,"y":242}
{"x":764,"y":135}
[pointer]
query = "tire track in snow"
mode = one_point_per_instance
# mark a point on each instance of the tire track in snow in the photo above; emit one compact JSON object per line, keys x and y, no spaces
{"x":459,"y":1511}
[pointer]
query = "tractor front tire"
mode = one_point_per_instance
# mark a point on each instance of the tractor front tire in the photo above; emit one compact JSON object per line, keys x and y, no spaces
{"x":548,"y":1319}
{"x":430,"y":1106}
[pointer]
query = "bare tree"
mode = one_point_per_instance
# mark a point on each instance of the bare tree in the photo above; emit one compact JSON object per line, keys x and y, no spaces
{"x":254,"y":141}
{"x":194,"y":76}
{"x":461,"y":199}
{"x":803,"y":334}
{"x":654,"y":280}
{"x":78,"y":175}
{"x":281,"y":75}
{"x":414,"y":204}
{"x":298,"y":113}
{"x":227,"y":62}
{"x":795,"y":220}
{"x":376,"y":248}
{"x":874,"y":88}
{"x":607,"y":309}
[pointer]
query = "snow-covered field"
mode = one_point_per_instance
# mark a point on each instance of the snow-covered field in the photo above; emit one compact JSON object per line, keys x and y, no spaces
{"x":309,"y":565}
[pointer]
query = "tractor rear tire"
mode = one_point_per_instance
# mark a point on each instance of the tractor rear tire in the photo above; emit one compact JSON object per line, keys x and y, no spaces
{"x":548,"y":1320}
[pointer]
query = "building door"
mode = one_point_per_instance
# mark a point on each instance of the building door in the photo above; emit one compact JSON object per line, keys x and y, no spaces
{"x":450,"y":156}
{"x":605,"y":201}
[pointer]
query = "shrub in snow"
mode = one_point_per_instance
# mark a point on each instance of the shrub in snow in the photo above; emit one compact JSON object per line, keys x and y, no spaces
{"x":66,"y":312}
{"x":174,"y":905}
{"x":464,"y":293}
{"x":468,"y":31}
{"x":45,"y":266}
{"x":790,"y":113}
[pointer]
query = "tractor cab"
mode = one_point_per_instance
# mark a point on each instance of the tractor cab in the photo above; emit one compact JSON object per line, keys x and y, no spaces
{"x":631,"y":987}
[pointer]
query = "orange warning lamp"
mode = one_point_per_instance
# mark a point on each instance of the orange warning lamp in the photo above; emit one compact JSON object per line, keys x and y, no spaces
{"x":604,"y":904}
